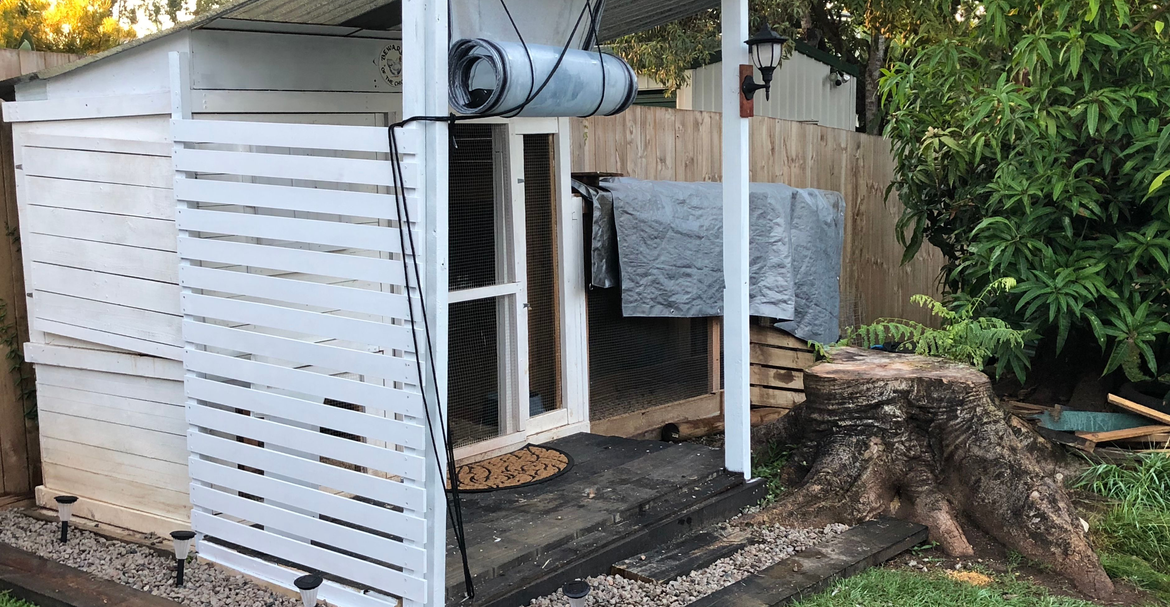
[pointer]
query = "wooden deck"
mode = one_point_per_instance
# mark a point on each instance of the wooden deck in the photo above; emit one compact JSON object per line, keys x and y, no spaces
{"x":620,"y":497}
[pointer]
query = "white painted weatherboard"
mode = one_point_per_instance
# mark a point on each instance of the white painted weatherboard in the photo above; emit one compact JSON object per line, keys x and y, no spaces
{"x":293,"y":294}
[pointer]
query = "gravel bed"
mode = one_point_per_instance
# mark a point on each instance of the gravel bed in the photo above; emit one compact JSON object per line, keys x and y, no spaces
{"x":769,"y":546}
{"x":136,"y":566}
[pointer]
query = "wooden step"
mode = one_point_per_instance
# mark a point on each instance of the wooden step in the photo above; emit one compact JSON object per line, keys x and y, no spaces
{"x":815,"y":569}
{"x":681,"y":556}
{"x":49,"y":584}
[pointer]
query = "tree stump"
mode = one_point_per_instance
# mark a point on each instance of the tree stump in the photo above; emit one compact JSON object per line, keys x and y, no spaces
{"x":926,"y":439}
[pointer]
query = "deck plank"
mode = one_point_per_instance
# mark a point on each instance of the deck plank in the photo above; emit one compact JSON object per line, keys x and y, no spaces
{"x":49,"y":584}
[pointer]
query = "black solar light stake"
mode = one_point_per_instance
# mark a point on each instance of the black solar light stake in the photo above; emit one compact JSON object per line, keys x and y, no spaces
{"x":64,"y":513}
{"x":308,"y":585}
{"x":182,"y":542}
{"x":576,"y":590}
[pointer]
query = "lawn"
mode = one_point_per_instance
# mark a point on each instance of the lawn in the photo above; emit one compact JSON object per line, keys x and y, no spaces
{"x":903,"y":588}
{"x":8,"y":601}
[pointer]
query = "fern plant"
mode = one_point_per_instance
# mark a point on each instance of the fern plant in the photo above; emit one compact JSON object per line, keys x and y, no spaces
{"x":963,"y":336}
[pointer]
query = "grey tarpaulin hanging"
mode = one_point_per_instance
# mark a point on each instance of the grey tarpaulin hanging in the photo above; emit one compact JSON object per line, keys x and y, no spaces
{"x":661,"y":242}
{"x":492,"y":77}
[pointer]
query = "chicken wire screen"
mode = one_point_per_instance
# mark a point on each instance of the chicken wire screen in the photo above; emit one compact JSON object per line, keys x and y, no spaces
{"x":639,"y":363}
{"x":473,"y":384}
{"x":539,"y":234}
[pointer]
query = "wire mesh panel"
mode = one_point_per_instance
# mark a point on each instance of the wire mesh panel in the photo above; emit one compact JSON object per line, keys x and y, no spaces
{"x":541,"y":251}
{"x":478,"y":259}
{"x":307,"y":421}
{"x":639,"y":363}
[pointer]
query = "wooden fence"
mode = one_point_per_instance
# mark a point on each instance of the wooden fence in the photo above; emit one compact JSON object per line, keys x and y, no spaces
{"x":20,"y":468}
{"x":684,"y":145}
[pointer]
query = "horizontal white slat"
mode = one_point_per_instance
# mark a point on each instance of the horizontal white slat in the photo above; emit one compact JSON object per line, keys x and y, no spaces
{"x":276,"y":519}
{"x":312,"y":499}
{"x":326,"y":445}
{"x":151,"y":264}
{"x":386,"y":491}
{"x":287,"y":166}
{"x":347,"y":360}
{"x":290,"y":198}
{"x":142,"y":388}
{"x":318,"y":414}
{"x":114,"y":229}
{"x":333,"y":233}
{"x":288,"y":135}
{"x":339,"y":265}
{"x":126,"y":169}
{"x":330,"y":592}
{"x":112,"y":318}
{"x":489,"y":292}
{"x":115,"y":340}
{"x":119,"y":410}
{"x":97,"y":144}
{"x":383,"y":335}
{"x":143,"y":470}
{"x":306,"y":382}
{"x":115,"y":437}
{"x":110,"y":288}
{"x":73,"y":108}
{"x":289,"y":290}
{"x":101,"y":360}
{"x":138,"y":201}
{"x":312,"y":557}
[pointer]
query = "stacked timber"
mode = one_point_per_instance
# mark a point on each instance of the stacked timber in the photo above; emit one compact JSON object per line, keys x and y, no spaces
{"x":778,"y":362}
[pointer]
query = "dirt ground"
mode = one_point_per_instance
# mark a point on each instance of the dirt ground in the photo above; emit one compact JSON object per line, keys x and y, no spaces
{"x":991,"y":556}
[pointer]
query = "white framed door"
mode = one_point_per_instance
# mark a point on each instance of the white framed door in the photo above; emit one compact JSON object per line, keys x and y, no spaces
{"x":529,"y":155}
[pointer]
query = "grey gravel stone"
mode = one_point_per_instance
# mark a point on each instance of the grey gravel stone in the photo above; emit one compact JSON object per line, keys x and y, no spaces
{"x":136,"y":566}
{"x":769,"y":546}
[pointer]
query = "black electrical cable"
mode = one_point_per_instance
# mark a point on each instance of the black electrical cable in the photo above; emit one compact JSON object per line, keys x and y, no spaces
{"x":455,"y":511}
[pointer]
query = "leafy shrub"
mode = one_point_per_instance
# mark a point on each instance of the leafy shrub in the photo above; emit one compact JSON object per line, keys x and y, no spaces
{"x":964,"y":337}
{"x":1026,"y":147}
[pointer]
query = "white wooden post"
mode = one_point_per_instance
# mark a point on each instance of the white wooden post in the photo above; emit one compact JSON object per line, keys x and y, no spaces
{"x":424,"y":45}
{"x":737,"y":394}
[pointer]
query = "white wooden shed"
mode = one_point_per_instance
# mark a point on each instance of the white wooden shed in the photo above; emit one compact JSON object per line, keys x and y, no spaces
{"x":223,"y":280}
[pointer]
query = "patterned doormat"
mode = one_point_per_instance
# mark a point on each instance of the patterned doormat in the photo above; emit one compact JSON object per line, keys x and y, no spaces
{"x":523,"y":467}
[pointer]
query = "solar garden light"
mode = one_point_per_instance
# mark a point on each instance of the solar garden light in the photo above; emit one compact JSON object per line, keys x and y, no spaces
{"x":182,"y":543}
{"x":64,"y":513}
{"x":767,"y":51}
{"x":576,"y":590}
{"x":308,"y":585}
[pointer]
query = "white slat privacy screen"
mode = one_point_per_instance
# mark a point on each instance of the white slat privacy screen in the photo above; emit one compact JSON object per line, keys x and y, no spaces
{"x":307,"y":422}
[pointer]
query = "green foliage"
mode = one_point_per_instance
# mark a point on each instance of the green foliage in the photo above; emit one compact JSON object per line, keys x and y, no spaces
{"x":1033,"y":144}
{"x":769,"y":468}
{"x":6,"y":600}
{"x":882,"y":587}
{"x":1134,"y":533}
{"x":964,"y":336}
{"x":64,"y":26}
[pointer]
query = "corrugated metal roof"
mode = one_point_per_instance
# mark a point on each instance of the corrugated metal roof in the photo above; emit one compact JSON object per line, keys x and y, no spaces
{"x":621,"y":17}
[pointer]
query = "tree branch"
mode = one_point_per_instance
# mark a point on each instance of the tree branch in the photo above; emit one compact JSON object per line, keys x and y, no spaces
{"x":1151,"y":18}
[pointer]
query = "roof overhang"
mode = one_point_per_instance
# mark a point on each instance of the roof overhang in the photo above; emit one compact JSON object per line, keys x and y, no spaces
{"x":620,"y":17}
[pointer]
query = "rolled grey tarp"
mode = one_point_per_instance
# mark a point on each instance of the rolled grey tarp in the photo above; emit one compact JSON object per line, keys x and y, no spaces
{"x":490,"y":77}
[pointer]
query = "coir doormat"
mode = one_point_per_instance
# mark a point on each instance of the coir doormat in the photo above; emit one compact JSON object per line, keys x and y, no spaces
{"x":523,"y":467}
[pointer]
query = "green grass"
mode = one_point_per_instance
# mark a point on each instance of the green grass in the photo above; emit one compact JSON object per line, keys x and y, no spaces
{"x":1133,"y":533}
{"x":8,"y":601}
{"x":903,"y":588}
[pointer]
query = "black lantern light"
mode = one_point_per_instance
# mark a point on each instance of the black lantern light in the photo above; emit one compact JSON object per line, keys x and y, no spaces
{"x":767,"y":51}
{"x":307,"y":585}
{"x":576,"y":591}
{"x":64,"y":513}
{"x":182,"y":543}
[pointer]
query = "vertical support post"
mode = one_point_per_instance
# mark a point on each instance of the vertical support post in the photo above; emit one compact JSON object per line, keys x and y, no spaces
{"x":571,"y":300}
{"x":736,"y":411}
{"x":424,"y":93}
